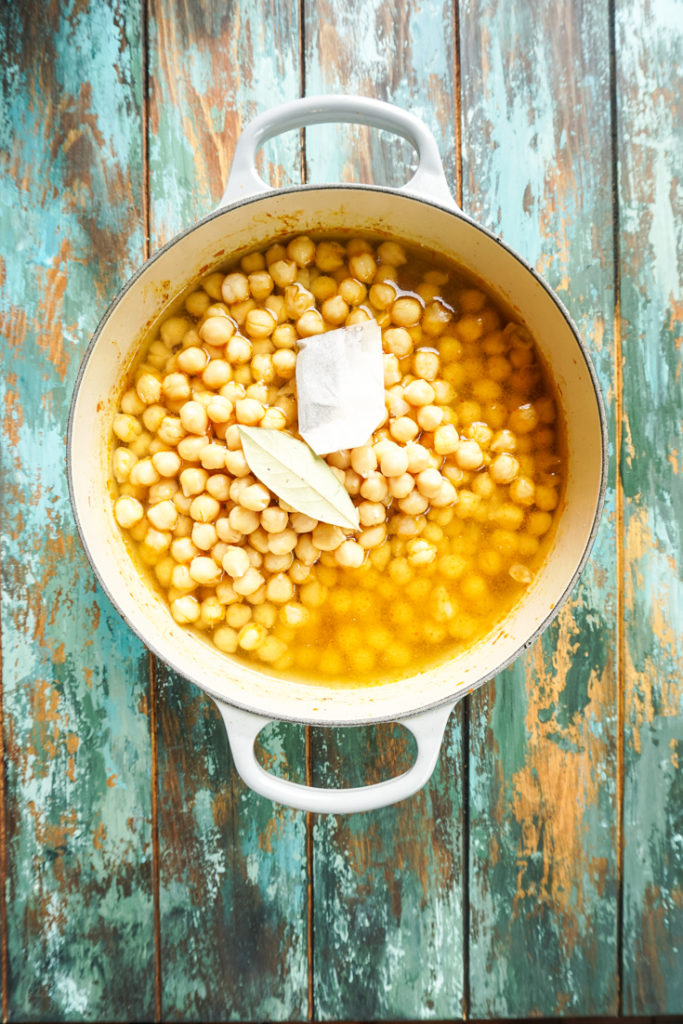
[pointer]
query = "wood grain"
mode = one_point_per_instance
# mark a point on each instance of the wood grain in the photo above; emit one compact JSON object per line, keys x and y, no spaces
{"x":79,"y":891}
{"x":543,"y":798}
{"x":233,"y":866}
{"x":649,"y":57}
{"x":388,"y":885}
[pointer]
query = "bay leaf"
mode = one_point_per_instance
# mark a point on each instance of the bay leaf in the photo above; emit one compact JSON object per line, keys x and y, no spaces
{"x":292,"y":471}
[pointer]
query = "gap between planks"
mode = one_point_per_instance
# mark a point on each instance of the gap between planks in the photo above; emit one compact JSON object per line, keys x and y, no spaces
{"x":153,"y":687}
{"x":4,"y":940}
{"x":619,"y":505}
{"x":466,"y":995}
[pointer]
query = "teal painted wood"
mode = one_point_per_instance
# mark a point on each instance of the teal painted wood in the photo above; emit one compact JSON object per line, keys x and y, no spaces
{"x":649,"y":58}
{"x":78,"y":806}
{"x":543,"y":791}
{"x":233,"y":866}
{"x":388,"y":920}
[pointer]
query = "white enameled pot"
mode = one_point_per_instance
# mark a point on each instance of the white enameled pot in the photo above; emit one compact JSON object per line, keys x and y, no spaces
{"x":251,"y":215}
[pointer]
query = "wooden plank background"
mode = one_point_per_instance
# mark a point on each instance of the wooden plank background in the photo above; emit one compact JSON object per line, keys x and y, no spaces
{"x":540,"y":873}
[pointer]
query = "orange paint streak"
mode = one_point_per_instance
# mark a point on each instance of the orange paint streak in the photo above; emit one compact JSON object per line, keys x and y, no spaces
{"x":99,"y":836}
{"x":14,"y":416}
{"x":557,"y":784}
{"x":648,"y":688}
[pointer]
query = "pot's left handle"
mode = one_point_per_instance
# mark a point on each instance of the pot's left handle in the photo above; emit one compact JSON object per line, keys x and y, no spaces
{"x":243,"y":727}
{"x":428,"y":181}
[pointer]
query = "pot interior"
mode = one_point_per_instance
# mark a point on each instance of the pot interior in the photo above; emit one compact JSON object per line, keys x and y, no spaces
{"x":253,"y":224}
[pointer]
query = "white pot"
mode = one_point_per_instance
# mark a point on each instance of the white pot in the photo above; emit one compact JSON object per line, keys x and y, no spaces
{"x":252,"y":215}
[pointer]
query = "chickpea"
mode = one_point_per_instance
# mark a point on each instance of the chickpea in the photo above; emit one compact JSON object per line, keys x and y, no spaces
{"x":185,"y":609}
{"x":204,"y":536}
{"x":403,"y":428}
{"x":329,"y":256}
{"x":539,"y":523}
{"x":419,"y":392}
{"x":279,"y":588}
{"x":249,"y":583}
{"x":522,"y":490}
{"x":446,"y":439}
{"x":429,"y":417}
{"x":128,"y":511}
{"x":401,"y":486}
{"x":429,"y":482}
{"x":350,"y":555}
{"x":123,"y":461}
{"x":217,"y":331}
{"x":193,"y":481}
{"x":353,"y":292}
{"x":249,"y":411}
{"x":436,"y":318}
{"x":392,"y":253}
{"x":126,"y":427}
{"x":508,"y":516}
{"x":524,"y":419}
{"x":335,"y":310}
{"x":194,"y":418}
{"x":327,"y":537}
{"x":204,"y":508}
{"x":468,"y":455}
{"x":239,"y":351}
{"x":363,"y":267}
{"x":397,"y":341}
{"x":393,"y":460}
{"x":310,"y":323}
{"x":373,"y":536}
{"x":163,"y":516}
{"x":283,"y":542}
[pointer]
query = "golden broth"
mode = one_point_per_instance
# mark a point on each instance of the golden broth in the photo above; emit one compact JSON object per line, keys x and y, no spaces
{"x":457,"y":491}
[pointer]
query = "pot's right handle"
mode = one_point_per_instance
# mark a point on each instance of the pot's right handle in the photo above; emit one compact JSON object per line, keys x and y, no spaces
{"x":429,"y":180}
{"x":243,"y":727}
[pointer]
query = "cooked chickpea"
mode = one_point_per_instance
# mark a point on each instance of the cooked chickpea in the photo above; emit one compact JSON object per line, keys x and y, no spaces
{"x":468,"y":455}
{"x":204,"y":508}
{"x":283,"y":542}
{"x":397,"y":341}
{"x":128,"y":511}
{"x":310,"y":323}
{"x":504,"y":468}
{"x":185,"y":609}
{"x":393,"y":461}
{"x":217,"y":331}
{"x":163,"y":516}
{"x":401,"y":486}
{"x":419,"y":393}
{"x":126,"y":427}
{"x":194,"y":418}
{"x":279,"y":588}
{"x":335,"y":310}
{"x":522,"y":490}
{"x":403,"y":428}
{"x":524,"y":419}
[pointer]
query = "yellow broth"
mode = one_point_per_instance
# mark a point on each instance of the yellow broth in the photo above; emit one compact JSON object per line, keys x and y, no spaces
{"x":458,"y":490}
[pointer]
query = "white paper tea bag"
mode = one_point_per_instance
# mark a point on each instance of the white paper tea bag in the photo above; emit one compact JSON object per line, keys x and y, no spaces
{"x":340,"y":386}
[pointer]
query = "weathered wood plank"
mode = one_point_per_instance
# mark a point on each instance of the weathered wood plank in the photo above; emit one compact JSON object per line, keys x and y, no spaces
{"x":233,"y":866}
{"x":79,"y":891}
{"x":387,"y":885}
{"x":649,"y":58}
{"x":543,"y":858}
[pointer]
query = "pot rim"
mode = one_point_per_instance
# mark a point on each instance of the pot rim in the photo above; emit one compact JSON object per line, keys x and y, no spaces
{"x":463,"y":688}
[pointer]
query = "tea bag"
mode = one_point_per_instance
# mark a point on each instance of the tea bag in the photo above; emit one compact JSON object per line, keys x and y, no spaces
{"x":340,"y":386}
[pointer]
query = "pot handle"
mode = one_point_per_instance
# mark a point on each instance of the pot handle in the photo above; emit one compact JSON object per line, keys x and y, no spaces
{"x":429,"y":180}
{"x":243,"y":727}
